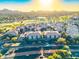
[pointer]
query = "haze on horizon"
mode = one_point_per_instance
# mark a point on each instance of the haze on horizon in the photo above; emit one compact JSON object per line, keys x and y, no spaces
{"x":40,"y":5}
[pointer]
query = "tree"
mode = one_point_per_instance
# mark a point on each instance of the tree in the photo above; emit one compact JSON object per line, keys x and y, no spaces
{"x":50,"y":57}
{"x":14,"y":39}
{"x":67,"y":51}
{"x":0,"y":55}
{"x":76,"y":39}
{"x":66,"y":47}
{"x":55,"y":56}
{"x":6,"y":45}
{"x":64,"y":18}
{"x":63,"y":53}
{"x":61,"y":41}
{"x":63,"y":34}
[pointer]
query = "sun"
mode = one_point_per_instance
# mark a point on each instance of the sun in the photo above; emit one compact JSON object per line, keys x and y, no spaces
{"x":46,"y":4}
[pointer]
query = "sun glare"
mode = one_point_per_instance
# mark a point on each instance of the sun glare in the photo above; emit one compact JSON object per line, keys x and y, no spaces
{"x":46,"y":3}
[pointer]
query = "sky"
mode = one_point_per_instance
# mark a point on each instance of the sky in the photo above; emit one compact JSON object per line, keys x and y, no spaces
{"x":71,"y":1}
{"x":40,"y":5}
{"x":15,"y":1}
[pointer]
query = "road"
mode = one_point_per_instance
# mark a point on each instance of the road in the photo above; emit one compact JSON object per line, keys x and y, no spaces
{"x":52,"y":45}
{"x":35,"y":52}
